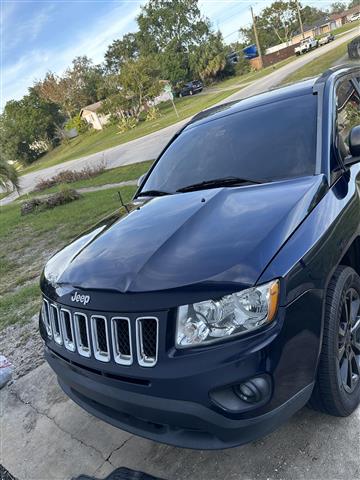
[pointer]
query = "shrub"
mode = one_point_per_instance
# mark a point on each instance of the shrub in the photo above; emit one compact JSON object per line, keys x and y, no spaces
{"x":242,"y":67}
{"x":66,"y":195}
{"x":79,"y":123}
{"x":127,"y":123}
{"x":70,"y":176}
{"x":152,"y":114}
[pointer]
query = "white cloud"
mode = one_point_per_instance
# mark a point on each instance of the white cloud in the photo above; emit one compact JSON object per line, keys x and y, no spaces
{"x":92,"y":41}
{"x":28,"y":31}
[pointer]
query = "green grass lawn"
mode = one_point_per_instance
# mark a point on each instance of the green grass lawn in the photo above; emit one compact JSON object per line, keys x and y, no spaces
{"x":113,"y":175}
{"x":28,"y":241}
{"x":317,"y":66}
{"x":96,"y":141}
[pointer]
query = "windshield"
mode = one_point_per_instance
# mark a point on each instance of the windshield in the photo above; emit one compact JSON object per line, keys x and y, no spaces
{"x":269,"y":142}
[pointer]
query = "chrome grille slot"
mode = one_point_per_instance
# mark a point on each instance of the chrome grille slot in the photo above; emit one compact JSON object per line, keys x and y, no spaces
{"x":147,"y":340}
{"x":121,"y":340}
{"x":55,"y":324}
{"x":67,"y":329}
{"x":45,"y":315}
{"x":82,"y":334}
{"x":100,"y":338}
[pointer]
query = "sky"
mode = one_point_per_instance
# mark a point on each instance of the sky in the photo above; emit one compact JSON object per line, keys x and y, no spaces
{"x":41,"y":35}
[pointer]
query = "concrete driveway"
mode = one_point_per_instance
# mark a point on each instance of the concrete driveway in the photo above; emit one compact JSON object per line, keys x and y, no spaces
{"x":148,"y":147}
{"x":45,"y":436}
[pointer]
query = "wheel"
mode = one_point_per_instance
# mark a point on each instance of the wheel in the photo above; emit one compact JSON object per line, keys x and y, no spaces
{"x":337,"y":388}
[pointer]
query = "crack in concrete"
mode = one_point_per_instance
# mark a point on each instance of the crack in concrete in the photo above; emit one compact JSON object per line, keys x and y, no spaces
{"x":52,"y":419}
{"x":118,"y":448}
{"x":107,"y":460}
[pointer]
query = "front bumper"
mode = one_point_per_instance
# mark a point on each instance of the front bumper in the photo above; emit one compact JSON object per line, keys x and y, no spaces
{"x":175,"y":422}
{"x":171,"y":402}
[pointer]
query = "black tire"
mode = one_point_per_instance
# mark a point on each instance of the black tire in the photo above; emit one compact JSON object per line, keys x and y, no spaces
{"x":337,"y":388}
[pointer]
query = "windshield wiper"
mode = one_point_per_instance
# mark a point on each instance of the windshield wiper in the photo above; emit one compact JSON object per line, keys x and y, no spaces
{"x":153,"y":193}
{"x":217,"y":182}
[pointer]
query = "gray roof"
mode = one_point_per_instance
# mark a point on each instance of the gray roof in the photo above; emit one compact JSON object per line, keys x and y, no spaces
{"x":93,"y":107}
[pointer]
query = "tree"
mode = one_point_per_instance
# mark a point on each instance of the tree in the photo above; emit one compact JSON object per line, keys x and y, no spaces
{"x":121,"y":51}
{"x":56,"y":89}
{"x":311,"y":15}
{"x":170,"y":29}
{"x":338,"y":7}
{"x":28,"y":127}
{"x":78,"y":87}
{"x":140,"y":84}
{"x":208,"y":60}
{"x":279,"y":22}
{"x":353,"y":3}
{"x":281,"y":17}
{"x":9,"y":179}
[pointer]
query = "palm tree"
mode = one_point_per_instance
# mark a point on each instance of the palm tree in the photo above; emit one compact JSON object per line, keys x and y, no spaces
{"x":9,"y":179}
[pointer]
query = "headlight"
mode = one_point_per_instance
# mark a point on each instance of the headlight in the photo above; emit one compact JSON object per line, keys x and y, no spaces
{"x":235,"y":314}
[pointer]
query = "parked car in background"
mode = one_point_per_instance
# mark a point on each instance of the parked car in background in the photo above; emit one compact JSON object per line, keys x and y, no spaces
{"x":189,"y":88}
{"x":233,"y":58}
{"x":354,"y":49}
{"x":306,"y":45}
{"x":228,"y":295}
{"x":326,"y":39}
{"x":354,"y":17}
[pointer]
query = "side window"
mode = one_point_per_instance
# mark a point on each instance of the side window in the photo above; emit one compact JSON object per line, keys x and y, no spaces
{"x":348,"y":114}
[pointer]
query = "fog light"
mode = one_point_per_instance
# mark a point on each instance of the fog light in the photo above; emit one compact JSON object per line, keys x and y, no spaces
{"x":253,"y":391}
{"x":249,"y":395}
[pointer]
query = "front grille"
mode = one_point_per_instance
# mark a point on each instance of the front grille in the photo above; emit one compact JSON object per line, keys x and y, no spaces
{"x":121,"y":338}
{"x":102,"y":337}
{"x":147,"y":340}
{"x":55,"y":324}
{"x":81,"y":327}
{"x":67,"y":330}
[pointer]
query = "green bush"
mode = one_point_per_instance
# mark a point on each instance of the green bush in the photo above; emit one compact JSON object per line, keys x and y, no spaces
{"x":35,"y":205}
{"x":242,"y":67}
{"x":127,"y":123}
{"x":152,"y":114}
{"x":79,"y":123}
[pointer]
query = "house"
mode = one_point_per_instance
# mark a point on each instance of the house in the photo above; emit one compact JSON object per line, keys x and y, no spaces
{"x":91,"y":114}
{"x":321,"y":27}
{"x":346,"y":16}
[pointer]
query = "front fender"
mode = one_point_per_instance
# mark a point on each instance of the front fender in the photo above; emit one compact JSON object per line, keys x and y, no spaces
{"x":310,"y":256}
{"x":307,"y":261}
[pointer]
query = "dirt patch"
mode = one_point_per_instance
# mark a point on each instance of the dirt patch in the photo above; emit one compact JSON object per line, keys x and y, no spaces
{"x":23,"y":346}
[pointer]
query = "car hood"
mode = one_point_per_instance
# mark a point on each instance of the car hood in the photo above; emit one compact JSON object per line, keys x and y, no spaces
{"x":218,"y":235}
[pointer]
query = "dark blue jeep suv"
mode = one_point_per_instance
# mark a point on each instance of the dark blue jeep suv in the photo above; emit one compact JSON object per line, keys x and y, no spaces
{"x":228,"y":295}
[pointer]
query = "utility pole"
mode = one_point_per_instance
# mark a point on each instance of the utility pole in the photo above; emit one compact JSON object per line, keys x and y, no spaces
{"x":256,"y":37}
{"x":300,"y":20}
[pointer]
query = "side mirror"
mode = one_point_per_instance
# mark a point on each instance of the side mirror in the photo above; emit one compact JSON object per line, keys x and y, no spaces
{"x":354,"y":141}
{"x":141,"y":179}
